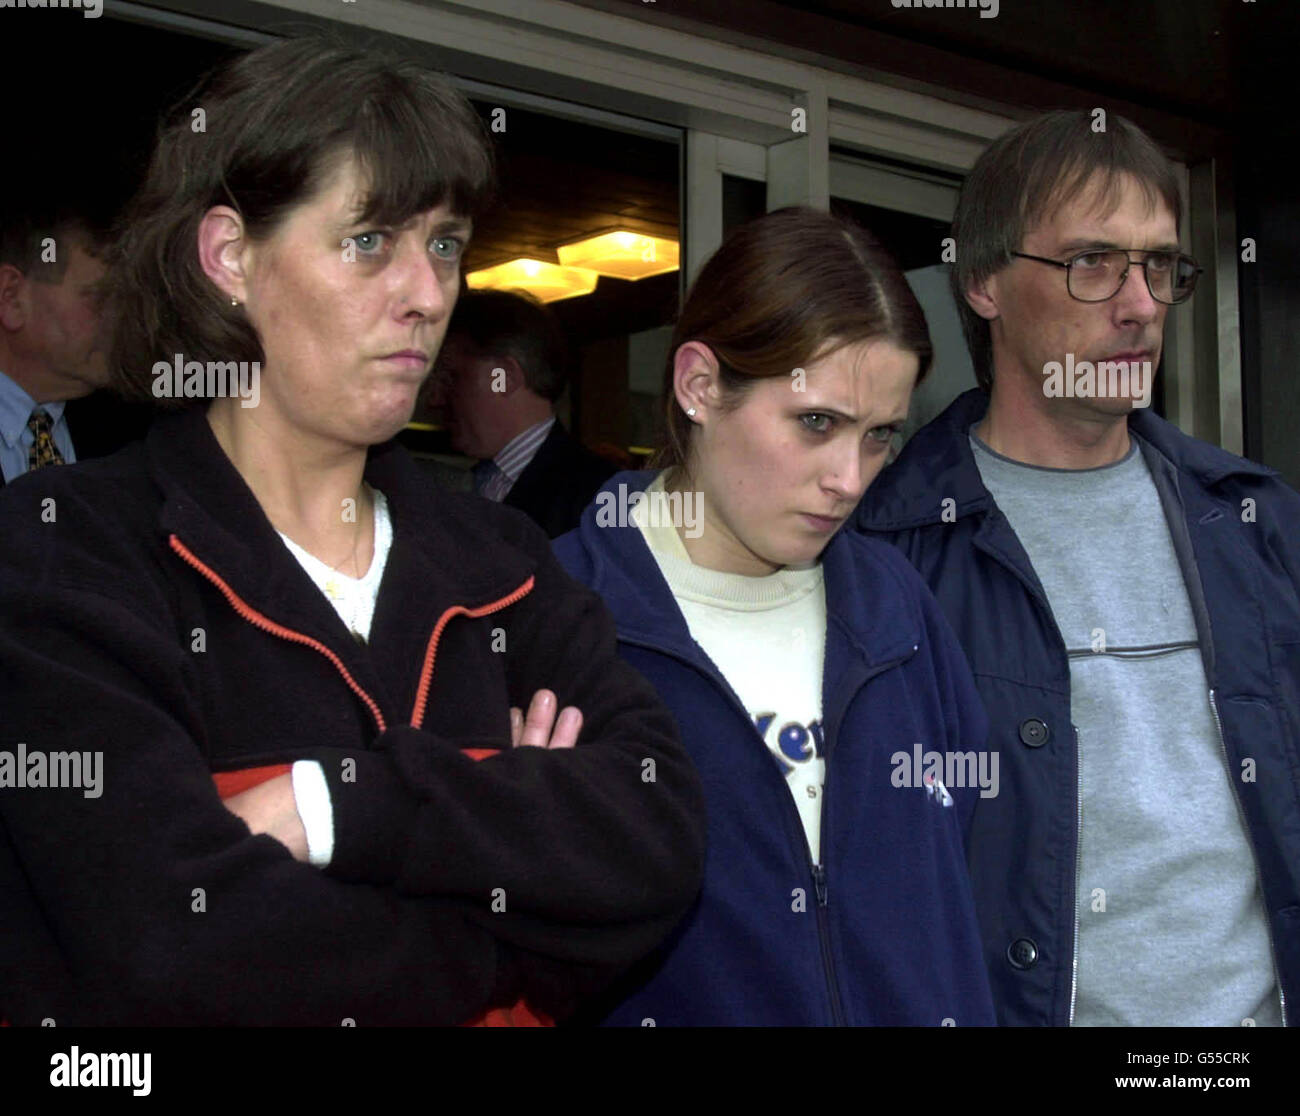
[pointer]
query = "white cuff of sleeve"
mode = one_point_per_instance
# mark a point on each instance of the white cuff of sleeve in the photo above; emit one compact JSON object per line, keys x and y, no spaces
{"x":311,"y":796}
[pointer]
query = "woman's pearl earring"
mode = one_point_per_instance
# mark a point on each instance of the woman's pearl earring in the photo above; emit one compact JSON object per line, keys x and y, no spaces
{"x":690,"y":412}
{"x":234,"y":302}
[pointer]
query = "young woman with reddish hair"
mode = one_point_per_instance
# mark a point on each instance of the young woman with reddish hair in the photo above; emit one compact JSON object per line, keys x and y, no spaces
{"x":803,"y":663}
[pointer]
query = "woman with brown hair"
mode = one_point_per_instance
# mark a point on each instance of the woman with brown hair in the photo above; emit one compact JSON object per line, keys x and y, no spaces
{"x":302,"y":668}
{"x":811,"y":673}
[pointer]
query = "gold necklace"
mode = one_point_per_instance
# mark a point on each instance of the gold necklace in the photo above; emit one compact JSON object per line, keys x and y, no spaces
{"x":332,"y":588}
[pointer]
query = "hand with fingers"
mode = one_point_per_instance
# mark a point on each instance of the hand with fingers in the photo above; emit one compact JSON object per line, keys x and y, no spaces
{"x":535,"y":730}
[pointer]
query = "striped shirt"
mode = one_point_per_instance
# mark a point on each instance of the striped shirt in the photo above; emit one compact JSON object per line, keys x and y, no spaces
{"x":514,"y":458}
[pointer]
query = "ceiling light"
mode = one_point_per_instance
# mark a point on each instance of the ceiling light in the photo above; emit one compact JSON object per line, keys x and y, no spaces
{"x":622,"y":255}
{"x":546,"y":281}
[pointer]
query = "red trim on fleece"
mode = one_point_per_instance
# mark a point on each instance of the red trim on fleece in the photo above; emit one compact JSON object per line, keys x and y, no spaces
{"x":231,"y":783}
{"x":426,"y":671}
{"x":267,"y":625}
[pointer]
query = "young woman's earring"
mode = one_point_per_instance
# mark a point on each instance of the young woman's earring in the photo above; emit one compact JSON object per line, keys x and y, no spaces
{"x":234,"y":302}
{"x":690,"y":413}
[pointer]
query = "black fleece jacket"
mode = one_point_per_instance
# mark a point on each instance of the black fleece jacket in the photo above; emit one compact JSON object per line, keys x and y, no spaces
{"x":149,"y":611}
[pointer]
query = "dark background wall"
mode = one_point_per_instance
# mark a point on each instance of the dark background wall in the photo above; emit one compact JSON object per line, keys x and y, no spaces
{"x":1268,"y":189}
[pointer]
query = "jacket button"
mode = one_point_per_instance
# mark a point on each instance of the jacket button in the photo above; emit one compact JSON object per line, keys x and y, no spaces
{"x":1034,"y":732}
{"x":1022,"y":953}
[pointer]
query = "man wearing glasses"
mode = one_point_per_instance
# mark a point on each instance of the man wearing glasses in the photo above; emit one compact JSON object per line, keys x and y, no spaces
{"x":1127,"y":596}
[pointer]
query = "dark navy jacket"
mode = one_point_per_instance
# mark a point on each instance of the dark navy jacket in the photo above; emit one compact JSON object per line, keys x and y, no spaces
{"x":883,"y":931}
{"x":1236,"y":531}
{"x":558,"y":483}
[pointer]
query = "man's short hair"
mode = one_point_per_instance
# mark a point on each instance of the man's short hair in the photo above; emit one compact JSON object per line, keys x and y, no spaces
{"x":514,"y":324}
{"x":34,"y":219}
{"x":1028,"y":173}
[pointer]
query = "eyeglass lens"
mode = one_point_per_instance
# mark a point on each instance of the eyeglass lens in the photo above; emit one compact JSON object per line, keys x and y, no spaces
{"x":1097,"y":276}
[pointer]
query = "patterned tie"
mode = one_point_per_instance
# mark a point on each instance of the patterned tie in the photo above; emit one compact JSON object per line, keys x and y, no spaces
{"x":43,"y":451}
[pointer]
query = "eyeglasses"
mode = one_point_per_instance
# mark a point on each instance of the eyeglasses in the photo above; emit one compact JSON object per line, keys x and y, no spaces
{"x":1098,"y":275}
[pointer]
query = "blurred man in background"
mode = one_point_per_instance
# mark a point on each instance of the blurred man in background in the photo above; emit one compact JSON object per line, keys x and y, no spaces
{"x":52,"y":338}
{"x":505,"y":363}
